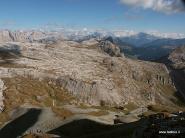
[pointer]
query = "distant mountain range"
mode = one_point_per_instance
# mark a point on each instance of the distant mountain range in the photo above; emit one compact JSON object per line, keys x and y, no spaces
{"x":157,"y":48}
{"x":142,"y":45}
{"x":129,"y":36}
{"x":146,"y":46}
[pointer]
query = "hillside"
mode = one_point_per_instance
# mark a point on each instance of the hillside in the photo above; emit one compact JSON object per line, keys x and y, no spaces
{"x":68,"y":78}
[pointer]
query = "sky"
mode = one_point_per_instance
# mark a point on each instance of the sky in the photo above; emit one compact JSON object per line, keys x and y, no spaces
{"x":137,"y":15}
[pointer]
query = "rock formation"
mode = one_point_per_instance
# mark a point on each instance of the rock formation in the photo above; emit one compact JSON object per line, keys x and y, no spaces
{"x":175,"y":61}
{"x":2,"y":87}
{"x":177,"y":58}
{"x":110,"y":48}
{"x":91,"y":75}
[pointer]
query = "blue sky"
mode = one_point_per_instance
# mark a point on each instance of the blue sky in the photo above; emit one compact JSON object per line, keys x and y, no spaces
{"x":96,"y":14}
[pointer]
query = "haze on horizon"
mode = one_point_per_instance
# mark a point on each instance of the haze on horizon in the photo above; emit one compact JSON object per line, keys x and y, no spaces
{"x":138,"y":15}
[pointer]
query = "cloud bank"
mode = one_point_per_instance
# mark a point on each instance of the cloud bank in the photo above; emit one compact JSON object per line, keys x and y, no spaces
{"x":165,"y":6}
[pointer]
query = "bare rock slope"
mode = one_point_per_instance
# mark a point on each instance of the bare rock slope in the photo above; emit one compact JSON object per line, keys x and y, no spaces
{"x":44,"y":86}
{"x":94,"y":74}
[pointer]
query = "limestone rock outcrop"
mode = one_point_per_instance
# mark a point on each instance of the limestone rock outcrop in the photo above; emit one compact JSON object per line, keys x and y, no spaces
{"x":2,"y":87}
{"x":175,"y":61}
{"x":110,"y":48}
{"x":92,"y":76}
{"x":177,"y":58}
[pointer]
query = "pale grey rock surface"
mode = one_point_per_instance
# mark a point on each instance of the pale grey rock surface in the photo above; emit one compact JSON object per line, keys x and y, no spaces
{"x":90,"y":73}
{"x":2,"y":87}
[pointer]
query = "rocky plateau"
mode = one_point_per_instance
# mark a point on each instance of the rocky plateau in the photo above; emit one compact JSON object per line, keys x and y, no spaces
{"x":92,"y":73}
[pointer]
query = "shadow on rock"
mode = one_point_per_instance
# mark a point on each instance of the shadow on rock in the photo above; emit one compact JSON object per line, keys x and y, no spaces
{"x":178,"y":78}
{"x":8,"y":53}
{"x":18,"y":126}
{"x":90,"y":129}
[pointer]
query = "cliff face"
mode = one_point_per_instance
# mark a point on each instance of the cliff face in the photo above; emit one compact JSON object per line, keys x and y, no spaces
{"x":110,"y":48}
{"x":176,"y":63}
{"x":177,"y":58}
{"x":94,"y":74}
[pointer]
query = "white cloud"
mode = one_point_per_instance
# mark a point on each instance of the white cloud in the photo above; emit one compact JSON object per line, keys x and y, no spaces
{"x":165,"y":6}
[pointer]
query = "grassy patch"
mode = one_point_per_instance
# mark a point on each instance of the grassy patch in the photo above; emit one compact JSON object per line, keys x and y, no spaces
{"x":107,"y":108}
{"x":12,"y":65}
{"x":162,"y":108}
{"x":131,"y":106}
{"x":98,"y":113}
{"x":62,"y":112}
{"x":22,"y":90}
